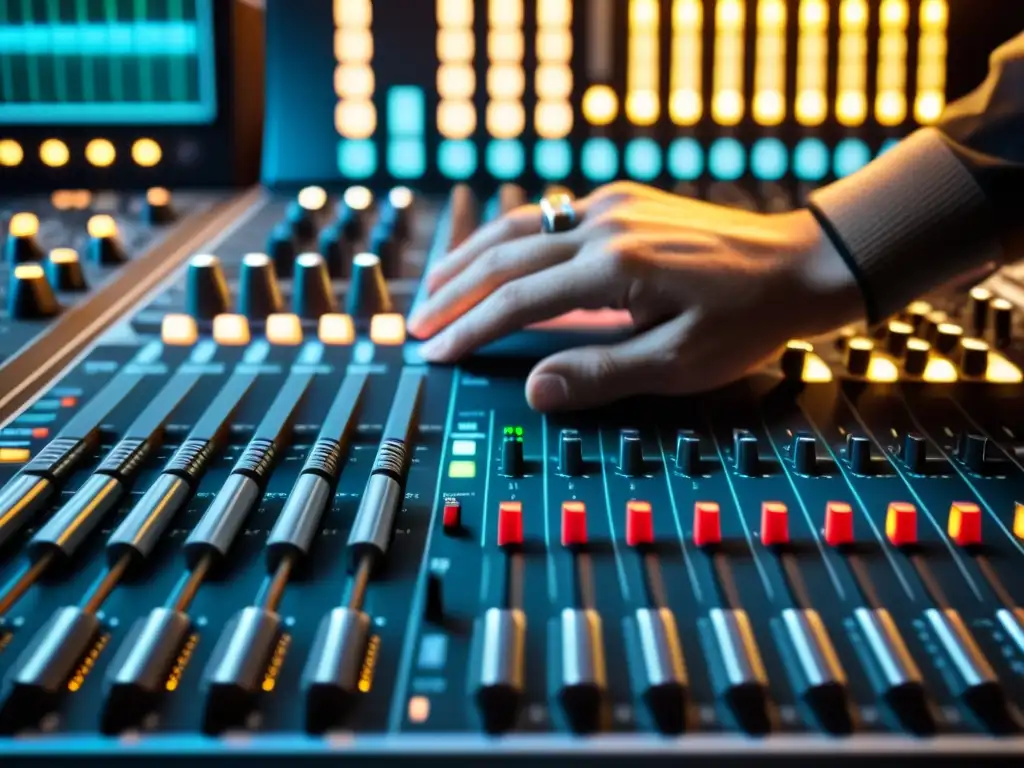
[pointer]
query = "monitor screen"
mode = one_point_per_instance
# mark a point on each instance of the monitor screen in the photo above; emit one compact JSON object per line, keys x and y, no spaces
{"x":109,"y":62}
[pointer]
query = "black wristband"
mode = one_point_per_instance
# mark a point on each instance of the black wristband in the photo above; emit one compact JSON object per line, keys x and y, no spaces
{"x":851,"y":263}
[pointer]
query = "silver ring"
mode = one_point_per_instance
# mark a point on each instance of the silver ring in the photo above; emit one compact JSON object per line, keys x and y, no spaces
{"x":557,"y":214}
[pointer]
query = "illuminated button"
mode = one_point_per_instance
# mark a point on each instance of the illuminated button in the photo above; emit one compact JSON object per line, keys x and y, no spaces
{"x":54,"y":153}
{"x":64,"y":270}
{"x":858,"y":355}
{"x":14,"y":455}
{"x":774,"y":523}
{"x":103,"y":247}
{"x":973,"y":357}
{"x":901,"y":523}
{"x":643,"y":159}
{"x":146,"y":153}
{"x":21,"y":239}
{"x":11,"y":153}
{"x":552,"y":158}
{"x":639,"y":523}
{"x":505,"y":158}
{"x":1018,"y":521}
{"x":599,"y":159}
{"x":947,"y":337}
{"x":100,"y":152}
{"x":810,"y":160}
{"x":456,"y":158}
{"x":964,"y":525}
{"x":357,"y":158}
{"x":727,"y":159}
{"x":838,"y":523}
{"x":707,"y":524}
{"x":686,"y":159}
{"x":462,"y":470}
{"x":977,"y":306}
{"x":231,"y":330}
{"x":600,"y":105}
{"x":768,"y":159}
{"x":157,"y":209}
{"x":179,"y":330}
{"x":915,"y":360}
{"x":463,"y":447}
{"x":510,"y":523}
{"x":387,"y":329}
{"x":29,"y":296}
{"x":793,"y":359}
{"x":337,"y":329}
{"x":452,"y":516}
{"x":284,"y":328}
{"x":574,"y":523}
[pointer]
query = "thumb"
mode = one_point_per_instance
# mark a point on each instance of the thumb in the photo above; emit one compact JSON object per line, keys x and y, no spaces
{"x":586,"y":377}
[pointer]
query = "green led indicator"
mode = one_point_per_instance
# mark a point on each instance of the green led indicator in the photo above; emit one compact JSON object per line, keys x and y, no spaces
{"x":510,"y":430}
{"x":519,"y":431}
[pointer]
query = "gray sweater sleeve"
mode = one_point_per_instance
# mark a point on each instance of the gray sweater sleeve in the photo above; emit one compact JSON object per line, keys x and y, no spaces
{"x":947,"y":201}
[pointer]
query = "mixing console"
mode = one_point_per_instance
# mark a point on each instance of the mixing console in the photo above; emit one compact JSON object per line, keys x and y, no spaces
{"x":240,"y":515}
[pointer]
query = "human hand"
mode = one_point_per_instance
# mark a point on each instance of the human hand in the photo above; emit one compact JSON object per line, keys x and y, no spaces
{"x":713,"y":292}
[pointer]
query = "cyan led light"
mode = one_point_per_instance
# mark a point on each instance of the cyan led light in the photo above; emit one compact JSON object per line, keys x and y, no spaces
{"x":552,"y":159}
{"x":151,"y":38}
{"x":406,"y":110}
{"x":887,"y":145}
{"x":407,"y":158}
{"x":643,"y":159}
{"x":357,"y":158}
{"x":851,"y":155}
{"x":727,"y":159}
{"x":505,"y":158}
{"x":456,"y":158}
{"x":686,"y":159}
{"x":811,"y":160}
{"x":769,"y":159}
{"x":599,"y":159}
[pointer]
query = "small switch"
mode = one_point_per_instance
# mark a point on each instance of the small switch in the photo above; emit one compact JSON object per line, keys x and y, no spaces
{"x":574,"y":523}
{"x":434,"y":609}
{"x":452,"y":516}
{"x":964,"y":526}
{"x":774,"y":523}
{"x":707,"y":524}
{"x":639,"y":523}
{"x":901,"y":523}
{"x":838,"y":523}
{"x":1018,"y":521}
{"x":510,"y":523}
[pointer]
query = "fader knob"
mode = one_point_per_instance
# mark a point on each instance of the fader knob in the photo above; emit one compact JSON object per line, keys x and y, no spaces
{"x":29,"y":295}
{"x":977,"y":309}
{"x":805,"y":457}
{"x":916,"y":360}
{"x":281,"y":249}
{"x":973,"y":357}
{"x":897,"y":338}
{"x":858,"y":454}
{"x":206,"y":291}
{"x":512,"y":453}
{"x":1001,"y":312}
{"x":157,"y":208}
{"x":973,"y":451}
{"x":104,"y":247}
{"x":311,"y":287}
{"x":688,"y":460}
{"x":858,"y":355}
{"x":336,"y":249}
{"x":21,"y":244}
{"x":947,"y":337}
{"x":355,"y":204}
{"x":915,"y":452}
{"x":398,"y":212}
{"x":745,"y":452}
{"x":64,"y":270}
{"x":368,"y":291}
{"x":258,"y":291}
{"x":303,"y":212}
{"x":385,"y":244}
{"x":631,"y":453}
{"x":570,"y":453}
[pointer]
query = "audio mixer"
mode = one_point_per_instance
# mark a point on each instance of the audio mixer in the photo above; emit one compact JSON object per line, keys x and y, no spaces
{"x":241,"y":517}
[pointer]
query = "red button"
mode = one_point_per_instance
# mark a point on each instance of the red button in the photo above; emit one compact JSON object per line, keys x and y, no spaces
{"x":901,"y":523}
{"x":40,"y":432}
{"x":707,"y":524}
{"x":838,"y":523}
{"x":774,"y":523}
{"x":964,"y":525}
{"x":574,"y":523}
{"x":452,"y":515}
{"x":510,"y":523}
{"x":68,"y":402}
{"x":639,"y":523}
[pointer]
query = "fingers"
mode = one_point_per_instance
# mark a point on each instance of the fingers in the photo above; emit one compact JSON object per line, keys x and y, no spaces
{"x":587,"y":377}
{"x":577,"y":284}
{"x":500,"y":264}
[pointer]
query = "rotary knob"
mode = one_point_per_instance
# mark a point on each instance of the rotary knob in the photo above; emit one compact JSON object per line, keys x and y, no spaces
{"x":973,"y":357}
{"x":947,"y":337}
{"x":916,"y":359}
{"x":104,"y":246}
{"x":858,"y":355}
{"x":21,"y":246}
{"x":304,"y":212}
{"x":157,"y":207}
{"x":570,"y":453}
{"x":915,"y":453}
{"x":972,"y":450}
{"x":336,"y":249}
{"x":512,"y":454}
{"x":206,"y":290}
{"x":916,"y":313}
{"x":281,"y":249}
{"x":399,"y":212}
{"x":1001,"y":315}
{"x":898,"y":336}
{"x":631,"y":453}
{"x":388,"y":246}
{"x":805,"y":455}
{"x":858,"y":454}
{"x":64,"y":270}
{"x":29,"y":295}
{"x":356,"y":203}
{"x":368,"y":290}
{"x":977,"y":309}
{"x":793,"y":359}
{"x":745,"y":452}
{"x":312,"y":295}
{"x":688,"y":461}
{"x":258,"y":292}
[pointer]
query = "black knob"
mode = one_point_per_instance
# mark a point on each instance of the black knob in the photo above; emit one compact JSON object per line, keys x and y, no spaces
{"x":433,"y":609}
{"x":932,"y":321}
{"x":281,"y":249}
{"x":916,"y":359}
{"x":915,"y":453}
{"x":312,"y":295}
{"x":805,"y":456}
{"x":399,"y":212}
{"x":206,"y":290}
{"x":367,"y":291}
{"x":947,"y":337}
{"x":745,"y":452}
{"x":631,"y":452}
{"x":1001,"y":312}
{"x":21,"y":246}
{"x":973,"y":357}
{"x":858,"y":355}
{"x":897,"y":338}
{"x":570,"y":453}
{"x":793,"y":359}
{"x":355,"y":208}
{"x":29,"y":295}
{"x":336,"y":249}
{"x":385,"y":244}
{"x":64,"y":270}
{"x":858,"y":454}
{"x":916,"y":313}
{"x":977,"y":309}
{"x":512,"y":453}
{"x":258,"y":292}
{"x":157,"y":208}
{"x":104,"y":246}
{"x":304,"y":212}
{"x":972,"y":450}
{"x":688,"y":461}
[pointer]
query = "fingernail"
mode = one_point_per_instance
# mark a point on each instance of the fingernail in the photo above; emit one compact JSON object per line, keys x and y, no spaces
{"x":549,"y":391}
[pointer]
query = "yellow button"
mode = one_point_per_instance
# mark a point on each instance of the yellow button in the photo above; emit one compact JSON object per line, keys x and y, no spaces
{"x":387,"y":329}
{"x":23,"y":225}
{"x":1018,"y":521}
{"x":101,"y":225}
{"x":231,"y":330}
{"x":179,"y":330}
{"x":336,"y":329}
{"x":14,"y":455}
{"x":462,"y":470}
{"x":284,"y":328}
